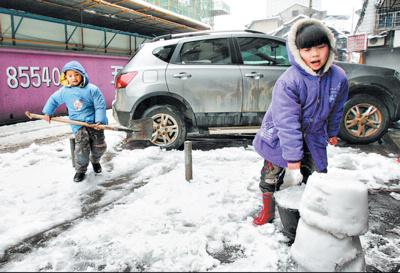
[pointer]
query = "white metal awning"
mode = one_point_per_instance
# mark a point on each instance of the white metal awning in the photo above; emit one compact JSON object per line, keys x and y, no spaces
{"x":126,"y":15}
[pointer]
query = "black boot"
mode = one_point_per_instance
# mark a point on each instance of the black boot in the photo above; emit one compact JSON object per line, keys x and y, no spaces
{"x":79,"y":177}
{"x":96,"y":167}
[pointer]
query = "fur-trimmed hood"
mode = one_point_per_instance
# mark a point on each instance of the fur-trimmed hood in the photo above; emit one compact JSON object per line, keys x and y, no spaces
{"x":294,"y":53}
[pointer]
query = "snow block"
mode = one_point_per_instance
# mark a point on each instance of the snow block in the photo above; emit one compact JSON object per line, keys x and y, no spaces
{"x":319,"y":251}
{"x":290,"y":198}
{"x":336,"y":205}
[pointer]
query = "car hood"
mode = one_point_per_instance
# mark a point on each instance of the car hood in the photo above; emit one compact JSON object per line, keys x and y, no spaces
{"x":352,"y":68}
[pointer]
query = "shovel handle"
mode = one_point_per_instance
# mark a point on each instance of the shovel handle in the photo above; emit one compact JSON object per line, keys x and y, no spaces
{"x":82,"y":123}
{"x":60,"y":119}
{"x":142,"y":129}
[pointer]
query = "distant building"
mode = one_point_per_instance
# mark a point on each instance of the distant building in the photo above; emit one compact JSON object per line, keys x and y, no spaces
{"x":276,"y":6}
{"x":298,"y":9}
{"x":342,"y":23}
{"x":283,"y":30}
{"x":286,"y":15}
{"x":266,"y":25}
{"x":380,"y":20}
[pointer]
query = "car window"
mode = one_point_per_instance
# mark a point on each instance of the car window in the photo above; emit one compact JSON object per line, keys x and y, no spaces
{"x":261,"y":51}
{"x":164,"y":52}
{"x":213,"y":51}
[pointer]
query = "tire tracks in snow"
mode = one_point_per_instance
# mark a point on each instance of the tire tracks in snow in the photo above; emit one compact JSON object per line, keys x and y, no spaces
{"x":21,"y":145}
{"x":41,"y":238}
{"x":91,"y":207}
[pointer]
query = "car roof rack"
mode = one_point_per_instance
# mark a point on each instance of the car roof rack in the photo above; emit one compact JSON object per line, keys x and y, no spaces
{"x":254,"y":31}
{"x":200,"y":33}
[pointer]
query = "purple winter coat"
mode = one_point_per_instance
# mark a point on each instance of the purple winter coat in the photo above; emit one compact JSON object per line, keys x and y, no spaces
{"x":305,"y":106}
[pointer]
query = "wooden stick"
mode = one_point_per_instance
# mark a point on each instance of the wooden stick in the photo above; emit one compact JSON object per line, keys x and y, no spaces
{"x":140,"y":129}
{"x":59,"y":119}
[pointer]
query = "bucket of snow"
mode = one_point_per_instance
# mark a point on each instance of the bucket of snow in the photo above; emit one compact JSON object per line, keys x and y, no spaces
{"x":317,"y":250}
{"x":335,"y":204}
{"x":287,"y":202}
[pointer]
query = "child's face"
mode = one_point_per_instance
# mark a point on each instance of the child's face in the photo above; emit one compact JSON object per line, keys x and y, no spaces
{"x":315,"y":57}
{"x":73,"y":77}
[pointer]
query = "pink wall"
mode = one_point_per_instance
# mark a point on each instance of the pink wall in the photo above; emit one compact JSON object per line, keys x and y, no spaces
{"x":29,"y":77}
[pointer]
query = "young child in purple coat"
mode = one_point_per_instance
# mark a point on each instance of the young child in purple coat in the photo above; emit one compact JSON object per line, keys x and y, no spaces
{"x":304,"y":115}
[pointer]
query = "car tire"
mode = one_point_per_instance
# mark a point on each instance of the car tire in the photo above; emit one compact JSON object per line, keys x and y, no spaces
{"x":169,"y":129}
{"x":365,"y":120}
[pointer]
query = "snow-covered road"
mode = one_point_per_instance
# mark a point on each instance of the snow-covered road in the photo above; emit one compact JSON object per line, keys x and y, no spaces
{"x":142,"y":215}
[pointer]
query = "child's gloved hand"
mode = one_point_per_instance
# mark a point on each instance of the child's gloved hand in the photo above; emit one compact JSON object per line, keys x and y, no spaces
{"x":333,"y":141}
{"x":98,"y":126}
{"x":47,"y":118}
{"x":292,"y":177}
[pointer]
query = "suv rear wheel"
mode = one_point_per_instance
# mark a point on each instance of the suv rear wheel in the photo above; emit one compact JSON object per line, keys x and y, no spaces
{"x":169,"y":130}
{"x":365,"y":120}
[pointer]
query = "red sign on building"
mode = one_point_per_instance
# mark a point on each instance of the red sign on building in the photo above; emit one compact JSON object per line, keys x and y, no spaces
{"x":357,"y":42}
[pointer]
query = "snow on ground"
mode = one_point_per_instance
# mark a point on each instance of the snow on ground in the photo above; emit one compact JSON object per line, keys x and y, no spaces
{"x":141,"y":214}
{"x":29,"y":132}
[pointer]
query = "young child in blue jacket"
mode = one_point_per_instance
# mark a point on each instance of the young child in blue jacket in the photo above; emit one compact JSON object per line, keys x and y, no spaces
{"x":304,"y":115}
{"x":85,"y":102}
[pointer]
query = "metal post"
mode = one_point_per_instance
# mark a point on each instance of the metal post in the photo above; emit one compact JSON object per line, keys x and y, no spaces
{"x":188,"y":160}
{"x":72,"y":146}
{"x":12,"y":29}
{"x":1,"y":34}
{"x":66,"y":35}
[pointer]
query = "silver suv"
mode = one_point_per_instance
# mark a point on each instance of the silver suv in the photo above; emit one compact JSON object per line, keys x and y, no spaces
{"x":218,"y":82}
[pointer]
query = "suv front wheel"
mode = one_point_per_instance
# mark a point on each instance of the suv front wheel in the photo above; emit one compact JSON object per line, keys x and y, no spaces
{"x":365,"y":119}
{"x":169,"y":130}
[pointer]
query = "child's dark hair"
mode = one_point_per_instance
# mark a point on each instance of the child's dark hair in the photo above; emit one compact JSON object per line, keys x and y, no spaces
{"x":310,"y":35}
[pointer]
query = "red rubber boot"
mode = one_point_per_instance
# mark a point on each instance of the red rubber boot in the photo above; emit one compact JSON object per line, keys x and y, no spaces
{"x":268,"y":212}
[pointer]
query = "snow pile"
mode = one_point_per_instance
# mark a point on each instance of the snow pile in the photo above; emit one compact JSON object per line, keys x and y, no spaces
{"x":334,"y":211}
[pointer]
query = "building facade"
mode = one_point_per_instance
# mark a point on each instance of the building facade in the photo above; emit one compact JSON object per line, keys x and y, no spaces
{"x":380,"y":20}
{"x":285,"y":16}
{"x":276,"y":6}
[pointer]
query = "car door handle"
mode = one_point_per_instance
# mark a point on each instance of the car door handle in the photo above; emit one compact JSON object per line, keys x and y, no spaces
{"x":254,"y":75}
{"x":182,"y":75}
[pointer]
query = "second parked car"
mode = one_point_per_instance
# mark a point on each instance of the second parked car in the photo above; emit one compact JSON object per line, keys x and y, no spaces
{"x":203,"y":82}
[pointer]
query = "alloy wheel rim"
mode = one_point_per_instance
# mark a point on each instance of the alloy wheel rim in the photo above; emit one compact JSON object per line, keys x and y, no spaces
{"x":165,"y":129}
{"x":363,"y":120}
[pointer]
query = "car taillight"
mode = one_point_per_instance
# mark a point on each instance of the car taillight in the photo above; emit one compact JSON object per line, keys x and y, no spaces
{"x":124,"y":79}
